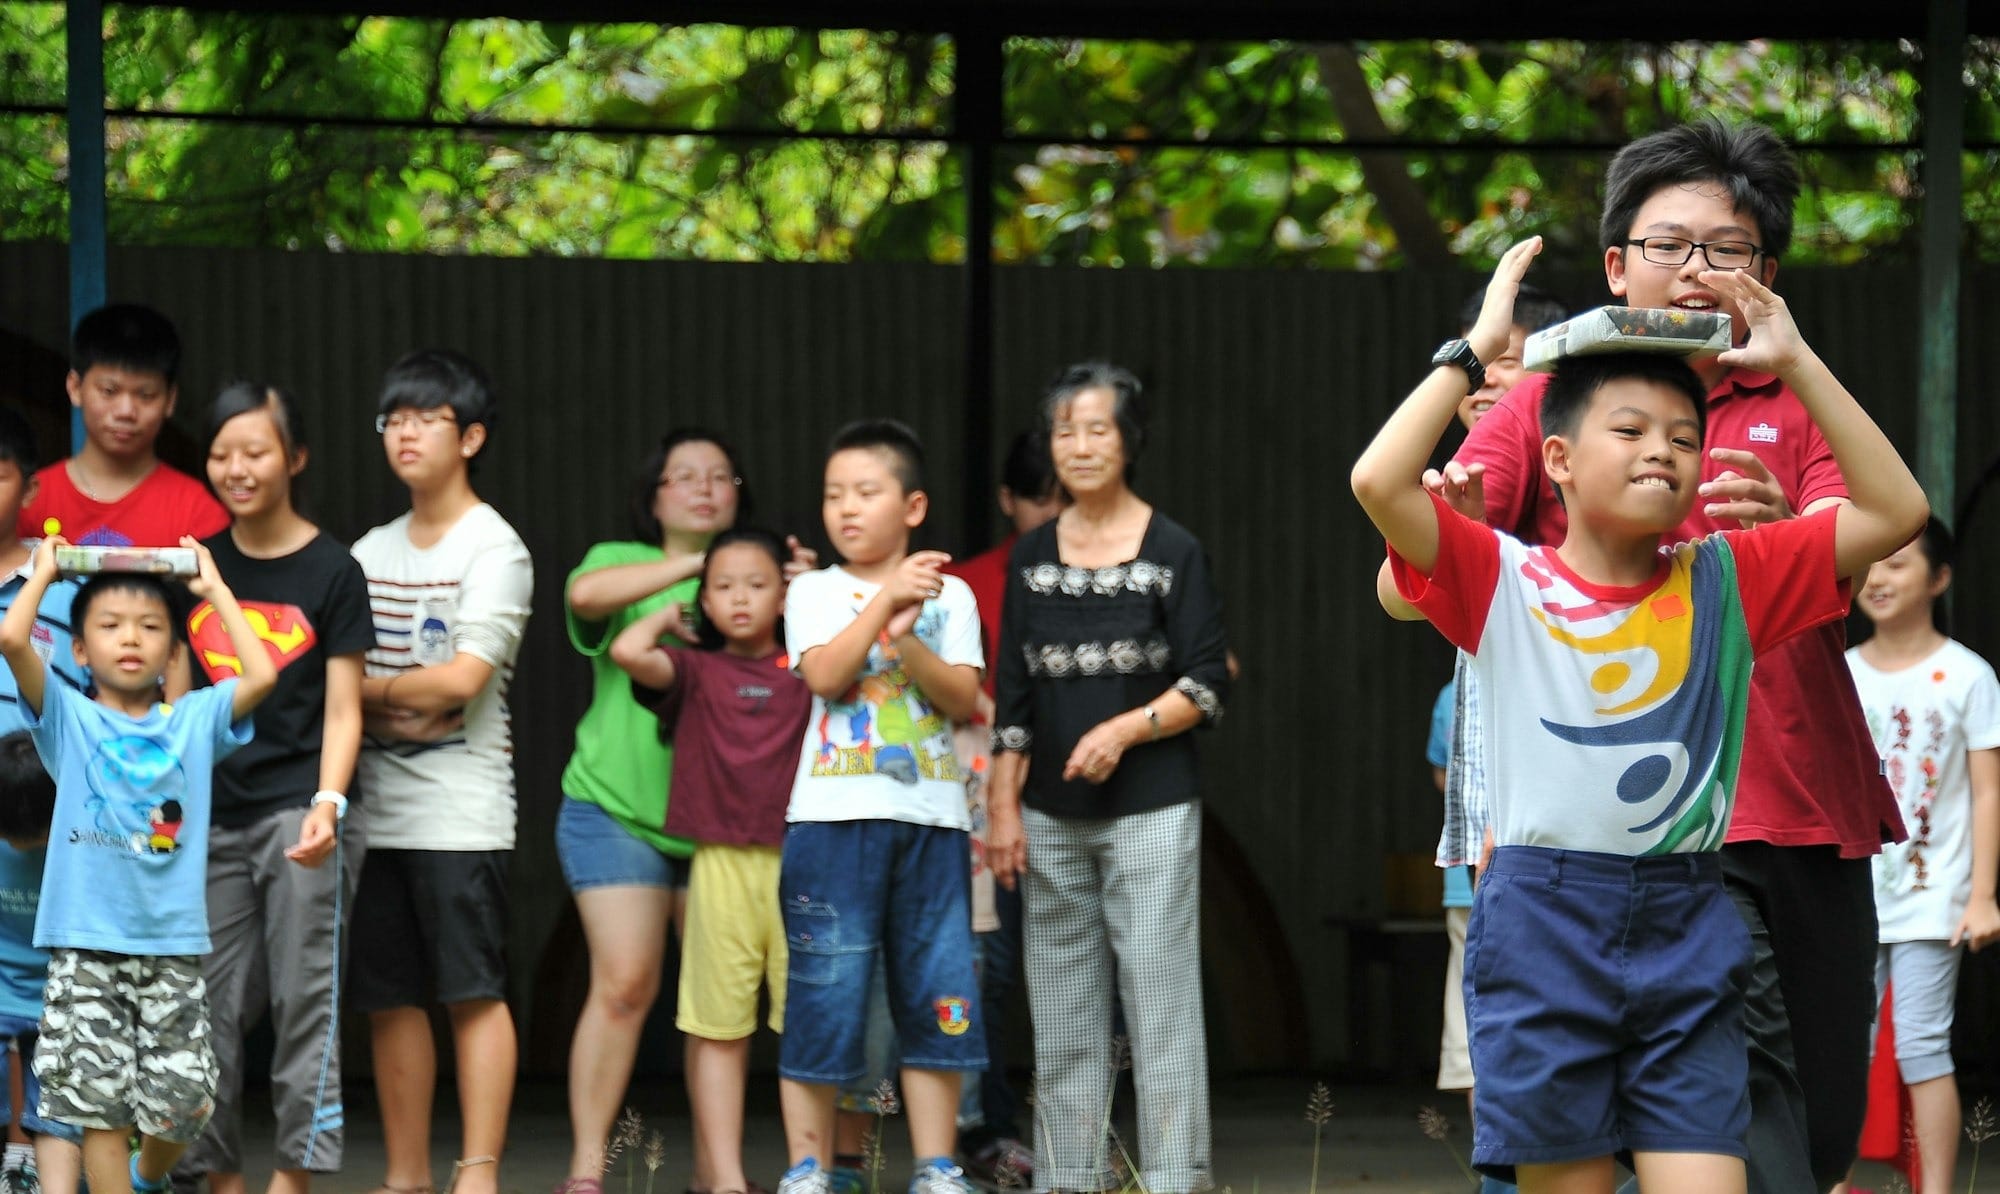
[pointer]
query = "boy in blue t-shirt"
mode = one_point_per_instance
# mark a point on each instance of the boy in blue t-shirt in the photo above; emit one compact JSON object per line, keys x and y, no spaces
{"x":123,"y":909}
{"x":874,"y":860}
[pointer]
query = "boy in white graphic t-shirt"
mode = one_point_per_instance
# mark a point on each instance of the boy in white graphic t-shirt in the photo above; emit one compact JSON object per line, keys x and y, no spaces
{"x":1604,"y":961}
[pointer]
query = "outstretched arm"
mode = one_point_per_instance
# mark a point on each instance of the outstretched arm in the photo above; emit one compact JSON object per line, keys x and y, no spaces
{"x":1886,"y":507}
{"x":1388,"y":477}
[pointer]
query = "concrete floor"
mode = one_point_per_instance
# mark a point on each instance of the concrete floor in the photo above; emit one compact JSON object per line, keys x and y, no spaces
{"x":1263,"y":1143}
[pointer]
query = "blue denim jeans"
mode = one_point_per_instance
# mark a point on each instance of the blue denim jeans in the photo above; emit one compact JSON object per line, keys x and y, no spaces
{"x":853,"y":890}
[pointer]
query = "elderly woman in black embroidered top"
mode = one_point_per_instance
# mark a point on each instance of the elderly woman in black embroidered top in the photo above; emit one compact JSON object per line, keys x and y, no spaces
{"x":1111,"y":649}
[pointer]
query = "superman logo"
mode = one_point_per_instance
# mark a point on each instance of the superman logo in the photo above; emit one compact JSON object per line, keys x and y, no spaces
{"x":286,"y":634}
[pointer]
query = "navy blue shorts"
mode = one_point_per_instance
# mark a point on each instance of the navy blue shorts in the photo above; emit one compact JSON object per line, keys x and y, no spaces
{"x":1604,"y":995}
{"x":851,"y":890}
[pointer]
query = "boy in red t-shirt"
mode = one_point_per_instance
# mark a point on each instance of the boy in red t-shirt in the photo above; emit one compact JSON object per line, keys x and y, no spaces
{"x":115,"y":492}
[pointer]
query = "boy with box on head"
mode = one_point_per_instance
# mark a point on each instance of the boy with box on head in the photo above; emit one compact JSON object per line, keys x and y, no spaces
{"x":115,"y":492}
{"x":450,"y":585}
{"x":876,"y":859}
{"x":1813,"y":806}
{"x":1605,"y":962}
{"x":125,"y":1032}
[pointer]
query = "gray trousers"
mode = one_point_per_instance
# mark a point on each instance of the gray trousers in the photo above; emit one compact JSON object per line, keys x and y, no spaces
{"x":1123,"y":890}
{"x":274,"y":945}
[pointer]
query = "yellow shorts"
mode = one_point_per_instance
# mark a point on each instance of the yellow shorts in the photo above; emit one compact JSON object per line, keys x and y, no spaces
{"x":735,"y":940}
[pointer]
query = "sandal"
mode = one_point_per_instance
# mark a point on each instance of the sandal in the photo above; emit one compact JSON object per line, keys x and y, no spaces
{"x":464,"y":1163}
{"x":142,"y":1186}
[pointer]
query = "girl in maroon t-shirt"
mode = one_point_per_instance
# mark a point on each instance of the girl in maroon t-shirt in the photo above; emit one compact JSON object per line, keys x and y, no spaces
{"x":736,"y":715}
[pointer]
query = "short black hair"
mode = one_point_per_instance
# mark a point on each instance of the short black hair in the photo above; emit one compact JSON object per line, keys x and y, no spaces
{"x":1534,"y":308}
{"x":27,"y":790}
{"x":1748,"y":159}
{"x":1576,"y":379}
{"x":126,"y":336}
{"x":243,"y":397}
{"x":168,"y":594}
{"x":17,"y":442}
{"x":1029,"y":472}
{"x":893,"y":439}
{"x":432,"y":377}
{"x":1128,"y":405}
{"x":646,"y":481}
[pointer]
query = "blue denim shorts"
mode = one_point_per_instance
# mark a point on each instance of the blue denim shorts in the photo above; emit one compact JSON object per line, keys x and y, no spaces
{"x":1604,"y":995}
{"x":597,"y":851}
{"x":23,"y":1033}
{"x":854,"y":890}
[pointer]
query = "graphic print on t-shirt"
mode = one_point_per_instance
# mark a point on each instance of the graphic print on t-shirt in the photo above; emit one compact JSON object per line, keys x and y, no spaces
{"x":286,"y":633}
{"x":1658,"y":676}
{"x":1915,"y":777}
{"x":431,"y":643}
{"x":882,"y":725}
{"x":136,"y":785}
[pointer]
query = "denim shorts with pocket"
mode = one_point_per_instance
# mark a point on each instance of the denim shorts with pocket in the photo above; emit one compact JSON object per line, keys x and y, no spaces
{"x":856,"y":889}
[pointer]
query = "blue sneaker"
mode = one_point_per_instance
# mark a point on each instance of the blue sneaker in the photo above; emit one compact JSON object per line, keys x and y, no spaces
{"x":806,"y":1177}
{"x":939,"y":1176}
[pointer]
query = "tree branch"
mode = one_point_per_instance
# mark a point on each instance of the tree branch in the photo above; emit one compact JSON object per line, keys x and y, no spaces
{"x":1398,"y":195}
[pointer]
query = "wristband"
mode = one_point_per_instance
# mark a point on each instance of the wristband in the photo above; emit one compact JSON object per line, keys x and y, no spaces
{"x":1153,"y":720}
{"x":338,"y":801}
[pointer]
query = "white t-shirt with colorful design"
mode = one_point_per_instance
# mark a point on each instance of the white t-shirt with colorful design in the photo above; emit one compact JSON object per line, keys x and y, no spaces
{"x":1925,"y":719}
{"x":1612,"y":717}
{"x":881,"y":751}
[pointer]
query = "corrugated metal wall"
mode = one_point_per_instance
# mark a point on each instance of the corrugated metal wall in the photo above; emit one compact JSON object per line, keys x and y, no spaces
{"x":1264,"y":387}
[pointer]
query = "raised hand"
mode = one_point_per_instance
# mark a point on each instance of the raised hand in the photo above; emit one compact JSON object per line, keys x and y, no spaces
{"x":206,"y":578}
{"x":1495,"y":325}
{"x":1774,"y":345}
{"x":918,"y":579}
{"x":803,"y":559}
{"x":1745,"y":491}
{"x":1463,"y":488}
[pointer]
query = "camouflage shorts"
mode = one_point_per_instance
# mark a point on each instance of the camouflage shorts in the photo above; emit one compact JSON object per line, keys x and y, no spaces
{"x":125,"y":1041}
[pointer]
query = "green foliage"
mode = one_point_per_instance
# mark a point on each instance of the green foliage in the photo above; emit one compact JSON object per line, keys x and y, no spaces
{"x":504,"y":137}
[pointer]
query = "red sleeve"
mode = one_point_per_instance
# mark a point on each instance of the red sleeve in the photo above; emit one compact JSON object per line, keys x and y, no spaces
{"x":1785,"y":577}
{"x":1819,"y":477}
{"x":1458,"y":593}
{"x":1508,"y":441}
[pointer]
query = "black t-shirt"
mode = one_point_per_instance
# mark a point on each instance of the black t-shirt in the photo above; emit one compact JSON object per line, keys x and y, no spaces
{"x":306,"y":606}
{"x":1080,"y":645}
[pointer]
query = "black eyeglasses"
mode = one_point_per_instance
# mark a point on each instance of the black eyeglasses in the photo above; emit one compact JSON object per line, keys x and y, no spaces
{"x":1720,"y":254}
{"x":426,"y":419}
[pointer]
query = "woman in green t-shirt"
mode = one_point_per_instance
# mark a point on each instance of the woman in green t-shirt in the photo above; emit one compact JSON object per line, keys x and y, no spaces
{"x":628,"y":876}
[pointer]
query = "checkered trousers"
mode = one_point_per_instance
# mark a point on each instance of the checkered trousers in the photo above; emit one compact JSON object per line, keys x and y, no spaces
{"x":1117,"y":895}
